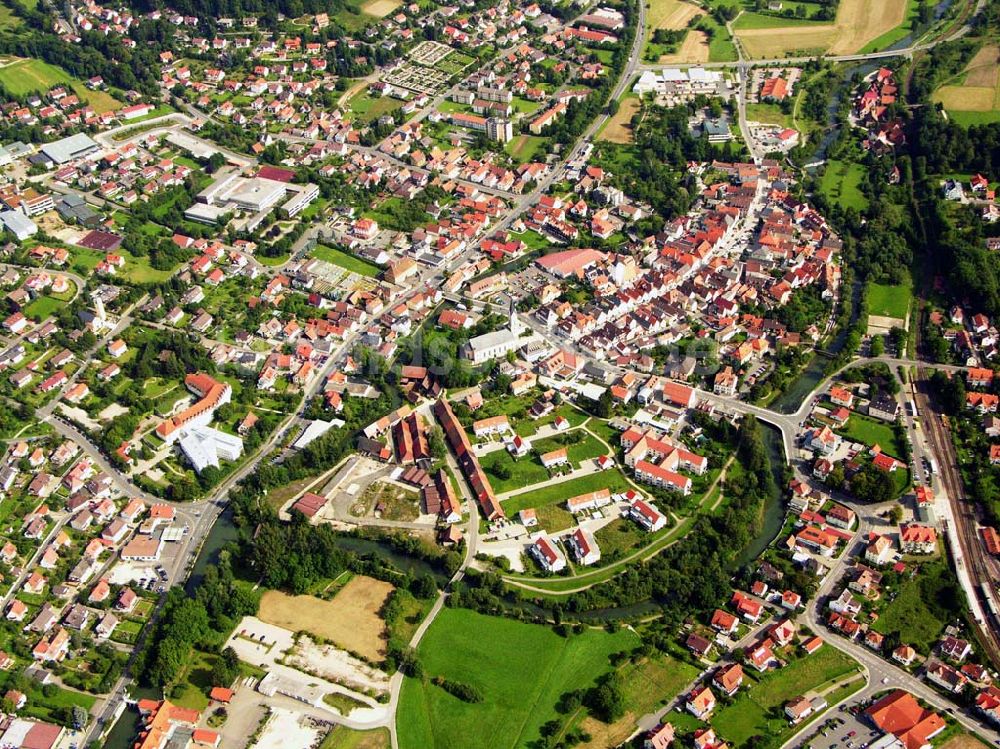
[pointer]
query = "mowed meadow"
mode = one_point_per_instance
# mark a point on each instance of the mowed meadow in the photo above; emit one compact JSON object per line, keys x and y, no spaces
{"x":521,"y":670}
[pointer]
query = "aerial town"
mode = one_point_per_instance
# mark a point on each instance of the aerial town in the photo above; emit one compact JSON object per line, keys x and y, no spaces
{"x":577,"y":373}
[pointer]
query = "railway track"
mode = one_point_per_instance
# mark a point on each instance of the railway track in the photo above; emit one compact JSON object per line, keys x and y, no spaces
{"x":966,"y":524}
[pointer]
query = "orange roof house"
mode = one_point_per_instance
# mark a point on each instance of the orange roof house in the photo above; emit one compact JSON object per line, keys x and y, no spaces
{"x":900,"y":714}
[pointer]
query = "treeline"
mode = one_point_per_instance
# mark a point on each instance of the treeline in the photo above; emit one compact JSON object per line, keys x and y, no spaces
{"x":96,"y":55}
{"x":663,"y":146}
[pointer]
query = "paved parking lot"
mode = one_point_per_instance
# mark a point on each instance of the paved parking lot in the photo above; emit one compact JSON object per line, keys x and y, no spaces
{"x":847,"y":732}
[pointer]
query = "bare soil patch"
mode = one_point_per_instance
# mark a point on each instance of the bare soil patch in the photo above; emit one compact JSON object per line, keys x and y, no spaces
{"x":380,"y":8}
{"x":350,"y":620}
{"x":618,"y":129}
{"x":693,"y":49}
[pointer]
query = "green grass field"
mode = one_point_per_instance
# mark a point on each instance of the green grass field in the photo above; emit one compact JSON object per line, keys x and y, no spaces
{"x":967,"y":119}
{"x":521,"y":669}
{"x":346,"y":261}
{"x":841,"y":184}
{"x":748,"y":714}
{"x":367,"y":108}
{"x":922,"y":607}
{"x":342,"y":737}
{"x":555,"y":493}
{"x":525,"y":148}
{"x":29,"y":76}
{"x":872,"y":432}
{"x":751,"y":20}
{"x":889,"y":301}
{"x":42,"y":307}
{"x":769,"y":113}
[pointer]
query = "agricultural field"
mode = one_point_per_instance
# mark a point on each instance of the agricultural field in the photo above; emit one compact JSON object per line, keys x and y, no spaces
{"x":350,"y":621}
{"x":973,"y":96}
{"x":379,"y":8}
{"x":496,"y":656}
{"x":889,"y":301}
{"x":750,"y":713}
{"x":858,"y":23}
{"x":841,"y":184}
{"x":22,"y":77}
{"x":672,"y":15}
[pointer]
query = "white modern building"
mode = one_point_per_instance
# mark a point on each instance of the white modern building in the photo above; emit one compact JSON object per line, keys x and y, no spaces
{"x":18,"y":224}
{"x":205,"y":446}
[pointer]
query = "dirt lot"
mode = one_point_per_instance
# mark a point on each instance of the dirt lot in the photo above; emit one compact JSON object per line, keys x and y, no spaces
{"x":858,"y":22}
{"x":963,"y":741}
{"x":617,"y":130}
{"x":350,"y":620}
{"x":380,"y":8}
{"x":693,"y":49}
{"x":671,"y":14}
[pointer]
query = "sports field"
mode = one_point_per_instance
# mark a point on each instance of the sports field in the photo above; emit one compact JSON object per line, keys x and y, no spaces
{"x":350,"y":620}
{"x":973,"y":96}
{"x":520,"y":669}
{"x":858,"y":22}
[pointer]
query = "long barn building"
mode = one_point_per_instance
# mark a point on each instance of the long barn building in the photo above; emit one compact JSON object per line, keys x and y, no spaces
{"x":458,"y":440}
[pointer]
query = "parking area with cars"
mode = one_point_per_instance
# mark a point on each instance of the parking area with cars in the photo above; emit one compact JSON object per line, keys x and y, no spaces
{"x":842,"y":730}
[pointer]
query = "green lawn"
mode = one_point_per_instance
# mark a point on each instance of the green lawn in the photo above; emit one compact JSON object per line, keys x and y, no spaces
{"x":769,"y":113}
{"x":756,"y":711}
{"x":872,"y":432}
{"x":889,"y":301}
{"x":525,"y":148}
{"x":367,"y":108}
{"x":522,"y":472}
{"x":612,"y":479}
{"x":521,"y":669}
{"x":346,"y":261}
{"x":968,"y":119}
{"x":528,"y":426}
{"x":42,"y":307}
{"x":587,"y":448}
{"x":751,"y":20}
{"x":841,"y":184}
{"x":342,"y":737}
